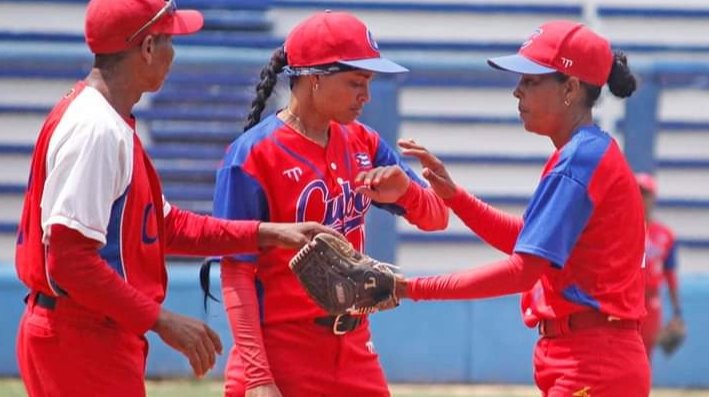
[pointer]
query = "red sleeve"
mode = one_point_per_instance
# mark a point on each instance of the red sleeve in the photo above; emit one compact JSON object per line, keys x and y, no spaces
{"x":495,"y":227}
{"x":75,"y":265}
{"x":188,"y":233}
{"x":424,"y":208}
{"x":515,"y":274}
{"x":238,"y":284}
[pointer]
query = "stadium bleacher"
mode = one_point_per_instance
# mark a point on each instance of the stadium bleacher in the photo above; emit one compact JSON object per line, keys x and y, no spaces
{"x":461,"y":111}
{"x":197,"y":113}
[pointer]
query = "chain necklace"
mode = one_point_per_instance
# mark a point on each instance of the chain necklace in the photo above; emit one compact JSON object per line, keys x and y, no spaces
{"x":297,"y":125}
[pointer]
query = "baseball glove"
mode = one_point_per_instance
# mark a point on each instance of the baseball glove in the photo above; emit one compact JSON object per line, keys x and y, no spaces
{"x":341,"y":280}
{"x":672,"y":336}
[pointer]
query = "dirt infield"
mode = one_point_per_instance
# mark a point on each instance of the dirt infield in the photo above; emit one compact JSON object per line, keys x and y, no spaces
{"x":211,"y":388}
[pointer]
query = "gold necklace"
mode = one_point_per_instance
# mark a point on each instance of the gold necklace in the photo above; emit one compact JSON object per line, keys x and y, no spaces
{"x":293,"y":118}
{"x":297,"y":125}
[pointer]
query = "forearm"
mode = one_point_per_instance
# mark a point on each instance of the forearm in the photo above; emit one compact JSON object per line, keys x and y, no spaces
{"x":74,"y":264}
{"x":424,"y":208}
{"x":238,"y":284}
{"x":192,"y":234}
{"x":673,"y":290}
{"x":514,"y":274}
{"x":495,"y":227}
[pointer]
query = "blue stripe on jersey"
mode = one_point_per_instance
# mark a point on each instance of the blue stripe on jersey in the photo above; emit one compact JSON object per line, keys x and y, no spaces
{"x":240,"y":149}
{"x":111,"y":252}
{"x":237,"y":195}
{"x":561,"y":205}
{"x":298,"y":157}
{"x":671,"y":261}
{"x":576,"y":295}
{"x":347,"y":155}
{"x":384,"y":156}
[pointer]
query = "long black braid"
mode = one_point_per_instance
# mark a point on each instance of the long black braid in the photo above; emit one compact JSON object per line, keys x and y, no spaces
{"x":264,"y":88}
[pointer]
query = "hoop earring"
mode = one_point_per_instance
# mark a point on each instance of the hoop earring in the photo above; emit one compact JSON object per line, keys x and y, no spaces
{"x":566,"y":102}
{"x":315,"y":87}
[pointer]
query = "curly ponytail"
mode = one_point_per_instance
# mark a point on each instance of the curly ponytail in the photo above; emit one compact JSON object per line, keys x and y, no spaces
{"x":621,"y":81}
{"x":264,"y":88}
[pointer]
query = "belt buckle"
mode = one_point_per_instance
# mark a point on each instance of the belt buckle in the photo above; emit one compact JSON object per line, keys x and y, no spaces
{"x":338,"y":324}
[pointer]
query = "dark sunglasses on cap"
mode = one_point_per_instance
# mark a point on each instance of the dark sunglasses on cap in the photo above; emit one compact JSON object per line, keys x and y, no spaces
{"x":169,"y":9}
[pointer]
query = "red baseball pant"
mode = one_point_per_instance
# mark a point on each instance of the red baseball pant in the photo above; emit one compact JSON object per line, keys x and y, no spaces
{"x":70,"y":352}
{"x":308,"y":360}
{"x":598,"y":362}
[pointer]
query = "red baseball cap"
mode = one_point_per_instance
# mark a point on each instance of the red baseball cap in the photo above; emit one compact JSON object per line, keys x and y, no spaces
{"x":336,"y":38}
{"x":117,"y":25}
{"x":647,"y":182}
{"x":562,"y":46}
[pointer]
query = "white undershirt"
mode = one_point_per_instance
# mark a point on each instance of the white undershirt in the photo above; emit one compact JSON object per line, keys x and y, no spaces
{"x":89,"y":166}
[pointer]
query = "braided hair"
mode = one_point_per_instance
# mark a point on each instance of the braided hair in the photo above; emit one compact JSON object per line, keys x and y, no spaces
{"x":264,"y":88}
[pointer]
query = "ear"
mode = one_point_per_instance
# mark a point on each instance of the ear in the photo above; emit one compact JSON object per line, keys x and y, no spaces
{"x":572,"y":90}
{"x":147,"y":48}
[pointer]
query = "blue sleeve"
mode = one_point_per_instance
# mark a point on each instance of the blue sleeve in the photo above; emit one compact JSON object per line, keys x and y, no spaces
{"x":384,"y":156}
{"x":557,"y":214}
{"x":671,"y":260}
{"x":239,"y":196}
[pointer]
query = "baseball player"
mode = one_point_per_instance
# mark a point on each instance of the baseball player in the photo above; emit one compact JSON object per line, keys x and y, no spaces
{"x":577,"y":252}
{"x":95,"y":227}
{"x":310,"y":161}
{"x":660,"y":265}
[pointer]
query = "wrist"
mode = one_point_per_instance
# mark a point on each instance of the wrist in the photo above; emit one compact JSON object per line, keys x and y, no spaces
{"x":160,"y":321}
{"x":457,"y":197}
{"x":266,"y":234}
{"x":402,"y":288}
{"x":407,"y":194}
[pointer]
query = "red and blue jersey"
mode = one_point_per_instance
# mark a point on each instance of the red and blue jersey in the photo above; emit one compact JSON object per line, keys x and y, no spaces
{"x":586,"y":219}
{"x":273,"y":173}
{"x":660,"y":255}
{"x":90,"y":173}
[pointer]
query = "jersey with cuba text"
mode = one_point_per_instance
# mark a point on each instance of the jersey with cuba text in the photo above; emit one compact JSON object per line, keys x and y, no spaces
{"x":586,"y":218}
{"x":273,"y":173}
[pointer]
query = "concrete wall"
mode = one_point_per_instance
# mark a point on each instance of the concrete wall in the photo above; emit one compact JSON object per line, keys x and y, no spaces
{"x":462,"y":341}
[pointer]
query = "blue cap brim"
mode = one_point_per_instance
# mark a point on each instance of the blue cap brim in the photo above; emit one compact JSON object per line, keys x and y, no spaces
{"x":518,"y":64}
{"x":379,"y":65}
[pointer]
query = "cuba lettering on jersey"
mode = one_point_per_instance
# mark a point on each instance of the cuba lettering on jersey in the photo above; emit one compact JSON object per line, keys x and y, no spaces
{"x":273,"y":173}
{"x":660,"y":255}
{"x":94,"y":169}
{"x":586,"y":191}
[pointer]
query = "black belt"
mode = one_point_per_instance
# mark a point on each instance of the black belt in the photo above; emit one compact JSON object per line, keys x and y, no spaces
{"x":339,"y":325}
{"x":42,"y":300}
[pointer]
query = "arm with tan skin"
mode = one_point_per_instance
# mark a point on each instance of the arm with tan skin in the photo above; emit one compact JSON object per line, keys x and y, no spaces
{"x":673,"y":290}
{"x":495,"y":227}
{"x":391,"y":185}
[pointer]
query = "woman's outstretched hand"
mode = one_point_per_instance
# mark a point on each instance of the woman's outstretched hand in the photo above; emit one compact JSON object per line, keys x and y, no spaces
{"x":433,"y":168}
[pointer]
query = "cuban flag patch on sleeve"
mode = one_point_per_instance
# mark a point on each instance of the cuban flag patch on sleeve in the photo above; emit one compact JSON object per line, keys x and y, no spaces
{"x":363,"y":160}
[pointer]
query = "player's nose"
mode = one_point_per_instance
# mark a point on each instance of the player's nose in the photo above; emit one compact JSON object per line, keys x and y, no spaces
{"x":517,"y":93}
